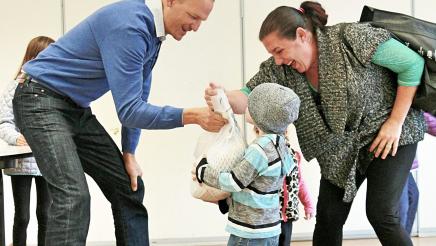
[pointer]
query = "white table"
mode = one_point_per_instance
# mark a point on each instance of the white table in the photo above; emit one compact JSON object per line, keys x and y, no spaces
{"x":8,"y":155}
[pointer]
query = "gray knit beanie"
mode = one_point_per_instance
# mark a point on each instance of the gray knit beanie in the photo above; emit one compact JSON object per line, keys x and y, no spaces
{"x":273,"y":107}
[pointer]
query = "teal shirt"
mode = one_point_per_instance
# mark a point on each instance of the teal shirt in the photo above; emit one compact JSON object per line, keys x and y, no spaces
{"x":397,"y":57}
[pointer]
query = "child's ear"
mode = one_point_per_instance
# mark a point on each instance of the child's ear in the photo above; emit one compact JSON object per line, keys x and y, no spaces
{"x":256,"y":130}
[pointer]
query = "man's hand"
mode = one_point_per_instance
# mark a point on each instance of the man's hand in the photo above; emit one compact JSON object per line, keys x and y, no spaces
{"x":21,"y":141}
{"x":133,"y":169}
{"x":204,"y":117}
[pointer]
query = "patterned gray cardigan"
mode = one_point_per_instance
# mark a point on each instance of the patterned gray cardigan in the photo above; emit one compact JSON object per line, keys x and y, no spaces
{"x":356,"y":99}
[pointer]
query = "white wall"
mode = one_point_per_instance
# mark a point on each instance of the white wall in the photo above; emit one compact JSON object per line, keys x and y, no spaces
{"x":182,"y":72}
{"x":21,"y":21}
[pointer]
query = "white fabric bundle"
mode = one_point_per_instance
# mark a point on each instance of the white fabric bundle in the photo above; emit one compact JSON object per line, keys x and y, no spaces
{"x":223,"y":150}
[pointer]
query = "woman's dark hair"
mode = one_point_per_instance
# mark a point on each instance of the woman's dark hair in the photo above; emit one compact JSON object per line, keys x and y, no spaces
{"x":285,"y":20}
{"x":35,"y":46}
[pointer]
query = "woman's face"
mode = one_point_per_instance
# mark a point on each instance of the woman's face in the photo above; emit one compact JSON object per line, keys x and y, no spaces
{"x":297,"y":53}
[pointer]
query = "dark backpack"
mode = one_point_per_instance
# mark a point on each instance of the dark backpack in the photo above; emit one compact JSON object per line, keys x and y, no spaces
{"x":420,"y":36}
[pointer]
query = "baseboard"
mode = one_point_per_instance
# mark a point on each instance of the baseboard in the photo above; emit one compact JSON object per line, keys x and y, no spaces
{"x":357,"y":234}
{"x":191,"y":241}
{"x":427,"y":232}
{"x":213,"y":241}
{"x":223,"y":240}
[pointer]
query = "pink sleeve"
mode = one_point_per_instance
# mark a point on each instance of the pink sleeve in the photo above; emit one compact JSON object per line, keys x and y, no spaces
{"x":303,"y":191}
{"x":431,"y":123}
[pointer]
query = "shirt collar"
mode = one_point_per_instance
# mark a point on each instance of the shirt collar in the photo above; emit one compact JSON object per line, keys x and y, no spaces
{"x":155,"y":7}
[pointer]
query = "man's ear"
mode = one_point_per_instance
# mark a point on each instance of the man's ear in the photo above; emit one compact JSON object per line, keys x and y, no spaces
{"x":170,"y":3}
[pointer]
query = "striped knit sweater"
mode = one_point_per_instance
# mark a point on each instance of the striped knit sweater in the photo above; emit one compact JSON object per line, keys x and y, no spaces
{"x":255,"y":184}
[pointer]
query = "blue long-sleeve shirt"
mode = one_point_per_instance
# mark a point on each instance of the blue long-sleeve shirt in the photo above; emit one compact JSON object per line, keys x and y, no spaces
{"x":113,"y":49}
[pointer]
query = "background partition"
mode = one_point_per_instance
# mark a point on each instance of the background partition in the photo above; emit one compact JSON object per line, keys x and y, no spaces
{"x":426,"y":173}
{"x":225,"y":50}
{"x":20,"y":21}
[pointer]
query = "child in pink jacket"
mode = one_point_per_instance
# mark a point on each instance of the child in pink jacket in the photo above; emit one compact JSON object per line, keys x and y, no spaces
{"x":290,"y":197}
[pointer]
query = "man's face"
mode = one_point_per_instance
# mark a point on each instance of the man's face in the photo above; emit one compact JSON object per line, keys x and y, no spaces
{"x":182,"y":16}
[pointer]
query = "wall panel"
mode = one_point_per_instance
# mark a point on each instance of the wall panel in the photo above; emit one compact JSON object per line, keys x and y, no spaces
{"x":182,"y":72}
{"x":425,"y":9}
{"x":20,"y":22}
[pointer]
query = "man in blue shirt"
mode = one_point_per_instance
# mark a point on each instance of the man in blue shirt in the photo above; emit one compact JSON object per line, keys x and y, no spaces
{"x":114,"y":50}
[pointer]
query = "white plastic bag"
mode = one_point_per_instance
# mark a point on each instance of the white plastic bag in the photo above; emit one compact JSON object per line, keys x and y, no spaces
{"x":223,"y":150}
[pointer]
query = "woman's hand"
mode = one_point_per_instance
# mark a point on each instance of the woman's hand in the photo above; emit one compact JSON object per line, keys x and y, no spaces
{"x":133,"y":169}
{"x":387,"y":139}
{"x":390,"y":132}
{"x":209,"y":92}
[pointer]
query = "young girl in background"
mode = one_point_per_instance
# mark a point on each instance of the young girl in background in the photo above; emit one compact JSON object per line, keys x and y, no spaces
{"x":26,"y":169}
{"x":294,"y":191}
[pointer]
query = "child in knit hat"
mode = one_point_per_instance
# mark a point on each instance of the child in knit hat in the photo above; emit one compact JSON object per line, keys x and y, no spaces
{"x":255,"y":183}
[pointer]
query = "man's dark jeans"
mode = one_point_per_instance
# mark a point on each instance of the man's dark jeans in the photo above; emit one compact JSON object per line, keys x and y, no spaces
{"x":385,"y":182}
{"x":67,"y":141}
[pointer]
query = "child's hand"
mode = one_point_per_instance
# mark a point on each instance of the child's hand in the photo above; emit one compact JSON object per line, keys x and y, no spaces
{"x":309,"y":215}
{"x":193,"y":173}
{"x":21,"y":141}
{"x":21,"y":77}
{"x":197,"y":171}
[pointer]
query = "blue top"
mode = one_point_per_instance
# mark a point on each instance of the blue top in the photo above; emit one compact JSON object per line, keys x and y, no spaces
{"x":113,"y":49}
